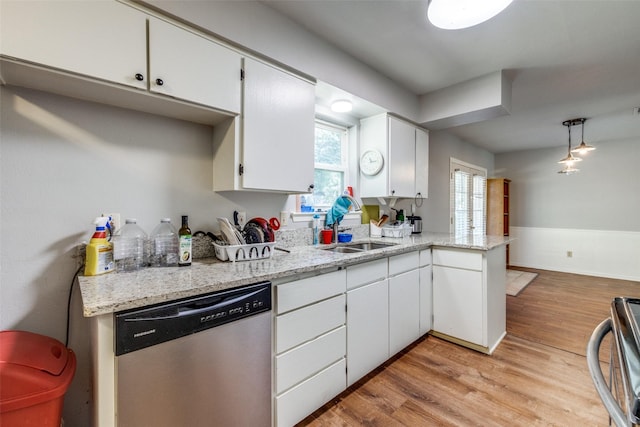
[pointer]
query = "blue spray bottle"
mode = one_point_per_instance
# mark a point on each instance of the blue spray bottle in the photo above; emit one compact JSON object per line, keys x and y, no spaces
{"x":316,"y":221}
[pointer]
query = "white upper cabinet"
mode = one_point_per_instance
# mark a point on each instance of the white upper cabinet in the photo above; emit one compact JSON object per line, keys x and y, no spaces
{"x":100,"y":39}
{"x":402,"y":169}
{"x":107,"y":41}
{"x":422,"y":163}
{"x":405,"y":158}
{"x":272,"y":148}
{"x":187,"y":66}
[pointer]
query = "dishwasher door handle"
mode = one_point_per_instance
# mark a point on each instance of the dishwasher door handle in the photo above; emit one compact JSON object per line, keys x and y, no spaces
{"x":593,"y":361}
{"x":190,"y":310}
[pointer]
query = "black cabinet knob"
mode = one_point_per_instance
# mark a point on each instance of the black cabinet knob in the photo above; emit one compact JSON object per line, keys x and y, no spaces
{"x":139,"y":77}
{"x":159,"y":82}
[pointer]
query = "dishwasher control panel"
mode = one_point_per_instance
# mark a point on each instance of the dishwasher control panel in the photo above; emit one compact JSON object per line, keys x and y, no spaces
{"x":143,"y":327}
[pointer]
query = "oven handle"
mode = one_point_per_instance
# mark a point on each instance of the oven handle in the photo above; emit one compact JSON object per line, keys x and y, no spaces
{"x":593,"y":361}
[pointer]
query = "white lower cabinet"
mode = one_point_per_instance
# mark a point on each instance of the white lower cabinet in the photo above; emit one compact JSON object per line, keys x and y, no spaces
{"x":426,"y":292}
{"x":469,"y":297}
{"x":404,"y":301}
{"x":310,"y":345}
{"x":297,"y":403}
{"x":367,"y":329}
{"x":458,"y":309}
{"x":333,"y":329}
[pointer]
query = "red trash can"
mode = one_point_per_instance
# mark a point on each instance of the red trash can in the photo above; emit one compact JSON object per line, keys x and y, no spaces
{"x":35,"y":373}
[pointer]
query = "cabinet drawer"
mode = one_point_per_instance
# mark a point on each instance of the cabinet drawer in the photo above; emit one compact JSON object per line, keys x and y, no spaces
{"x":404,"y":262}
{"x":292,"y":295}
{"x":425,"y":257}
{"x":458,"y":258}
{"x":297,"y":403}
{"x":301,"y":325}
{"x":368,"y":272}
{"x":310,"y":358}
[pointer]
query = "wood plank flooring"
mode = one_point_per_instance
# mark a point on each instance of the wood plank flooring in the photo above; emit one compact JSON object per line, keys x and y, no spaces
{"x":538,"y":375}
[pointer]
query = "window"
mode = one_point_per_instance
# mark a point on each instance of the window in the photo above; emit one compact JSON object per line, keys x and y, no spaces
{"x":468,"y":195}
{"x":331,"y":164}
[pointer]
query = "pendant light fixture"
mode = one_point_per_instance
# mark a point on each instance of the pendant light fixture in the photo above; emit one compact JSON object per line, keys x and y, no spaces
{"x":570,"y":159}
{"x":583,"y":148}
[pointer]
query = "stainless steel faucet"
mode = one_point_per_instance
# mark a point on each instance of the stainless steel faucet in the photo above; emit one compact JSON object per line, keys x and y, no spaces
{"x":356,"y":207}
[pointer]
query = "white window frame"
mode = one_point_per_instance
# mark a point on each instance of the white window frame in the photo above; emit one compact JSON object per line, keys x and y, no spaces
{"x":474,"y":221}
{"x":344,"y":155}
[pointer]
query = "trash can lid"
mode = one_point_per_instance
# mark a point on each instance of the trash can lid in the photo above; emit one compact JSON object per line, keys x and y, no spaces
{"x":33,"y":369}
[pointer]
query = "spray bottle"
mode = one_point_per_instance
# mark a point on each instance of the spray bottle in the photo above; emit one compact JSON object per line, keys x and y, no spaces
{"x":99,"y":250}
{"x":316,"y":220}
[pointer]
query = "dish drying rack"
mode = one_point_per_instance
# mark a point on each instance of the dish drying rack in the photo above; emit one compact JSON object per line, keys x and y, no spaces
{"x":250,"y":252}
{"x":402,"y":230}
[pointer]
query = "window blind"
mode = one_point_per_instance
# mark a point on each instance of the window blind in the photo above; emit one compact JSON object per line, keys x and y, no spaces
{"x":468,"y":199}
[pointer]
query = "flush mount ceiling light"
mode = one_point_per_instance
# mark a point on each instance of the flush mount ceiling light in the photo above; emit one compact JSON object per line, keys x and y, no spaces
{"x":457,"y":14}
{"x":341,"y":106}
{"x":570,"y":159}
{"x":583,"y":148}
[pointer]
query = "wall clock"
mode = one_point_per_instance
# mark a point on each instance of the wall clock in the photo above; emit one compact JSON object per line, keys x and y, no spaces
{"x":371,"y":162}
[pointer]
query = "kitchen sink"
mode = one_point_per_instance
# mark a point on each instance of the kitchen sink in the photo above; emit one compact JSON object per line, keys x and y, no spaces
{"x":351,"y":248}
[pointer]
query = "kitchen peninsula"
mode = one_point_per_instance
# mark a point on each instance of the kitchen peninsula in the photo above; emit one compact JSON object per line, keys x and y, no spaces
{"x":463,"y":300}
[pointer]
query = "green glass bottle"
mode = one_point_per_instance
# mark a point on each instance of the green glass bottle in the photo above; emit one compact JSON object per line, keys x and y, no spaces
{"x":184,"y":237}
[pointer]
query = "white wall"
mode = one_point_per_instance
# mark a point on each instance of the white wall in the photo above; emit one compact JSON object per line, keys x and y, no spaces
{"x":443,"y":146}
{"x":593,"y":214}
{"x":62,"y":163}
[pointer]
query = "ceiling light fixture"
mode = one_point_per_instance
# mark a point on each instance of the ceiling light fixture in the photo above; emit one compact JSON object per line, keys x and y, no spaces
{"x":570,"y":159}
{"x":341,"y":106}
{"x":458,"y":14}
{"x":583,"y":148}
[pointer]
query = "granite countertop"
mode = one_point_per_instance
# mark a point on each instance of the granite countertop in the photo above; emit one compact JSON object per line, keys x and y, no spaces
{"x":114,"y":292}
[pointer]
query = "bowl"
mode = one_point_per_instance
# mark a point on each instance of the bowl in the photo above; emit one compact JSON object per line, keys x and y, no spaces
{"x":344,"y":237}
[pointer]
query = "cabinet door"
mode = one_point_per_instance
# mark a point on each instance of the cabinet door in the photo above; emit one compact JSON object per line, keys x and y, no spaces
{"x":426,"y":300}
{"x":422,"y":163}
{"x":457,"y":303}
{"x":101,"y":39}
{"x":367,"y":329}
{"x":299,"y":402}
{"x":307,"y":323}
{"x":187,"y":66}
{"x":404,"y":310}
{"x":278,"y":129}
{"x":402,"y":161}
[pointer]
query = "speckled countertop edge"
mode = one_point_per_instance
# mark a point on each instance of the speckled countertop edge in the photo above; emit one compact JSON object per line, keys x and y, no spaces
{"x":115,"y":292}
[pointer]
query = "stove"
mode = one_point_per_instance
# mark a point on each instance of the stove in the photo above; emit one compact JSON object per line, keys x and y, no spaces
{"x":625,"y":316}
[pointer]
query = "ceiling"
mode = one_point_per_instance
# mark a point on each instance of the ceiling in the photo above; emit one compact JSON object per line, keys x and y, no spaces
{"x":565,"y":58}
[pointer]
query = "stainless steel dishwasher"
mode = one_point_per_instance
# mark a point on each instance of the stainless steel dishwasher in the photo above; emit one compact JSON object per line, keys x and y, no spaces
{"x":202,"y":361}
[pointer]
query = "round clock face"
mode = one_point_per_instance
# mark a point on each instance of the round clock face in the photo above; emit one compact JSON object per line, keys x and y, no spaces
{"x":371,"y":162}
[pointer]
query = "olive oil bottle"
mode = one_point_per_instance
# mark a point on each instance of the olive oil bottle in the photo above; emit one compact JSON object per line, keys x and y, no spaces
{"x":184,"y":238}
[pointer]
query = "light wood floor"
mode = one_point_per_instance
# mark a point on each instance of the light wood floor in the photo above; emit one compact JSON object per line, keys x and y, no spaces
{"x":538,"y":375}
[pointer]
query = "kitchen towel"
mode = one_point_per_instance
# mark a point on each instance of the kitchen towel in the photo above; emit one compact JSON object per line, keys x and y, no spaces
{"x":337,"y":211}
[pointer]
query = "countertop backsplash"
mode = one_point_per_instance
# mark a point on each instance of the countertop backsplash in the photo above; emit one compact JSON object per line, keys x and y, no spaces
{"x":290,"y":237}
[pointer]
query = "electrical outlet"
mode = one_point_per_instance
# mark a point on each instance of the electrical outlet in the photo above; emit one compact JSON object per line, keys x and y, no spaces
{"x":569,"y":254}
{"x":242,"y":218}
{"x":115,"y":221}
{"x":284,"y":218}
